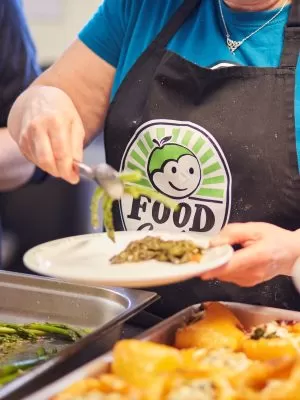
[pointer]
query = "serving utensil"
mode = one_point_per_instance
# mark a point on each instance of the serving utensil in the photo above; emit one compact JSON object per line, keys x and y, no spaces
{"x":105,"y":176}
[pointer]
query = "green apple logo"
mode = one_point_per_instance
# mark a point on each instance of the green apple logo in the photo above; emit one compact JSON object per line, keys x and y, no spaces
{"x":184,"y":161}
{"x":173,"y":169}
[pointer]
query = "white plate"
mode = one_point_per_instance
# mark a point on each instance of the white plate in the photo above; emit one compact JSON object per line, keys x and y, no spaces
{"x":85,"y":259}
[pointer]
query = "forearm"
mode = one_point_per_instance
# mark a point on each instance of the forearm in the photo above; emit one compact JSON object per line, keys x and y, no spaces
{"x":15,"y":170}
{"x":78,"y":79}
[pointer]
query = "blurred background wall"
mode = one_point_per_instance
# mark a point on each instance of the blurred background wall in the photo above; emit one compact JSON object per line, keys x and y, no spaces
{"x":54,"y":24}
{"x":54,"y":209}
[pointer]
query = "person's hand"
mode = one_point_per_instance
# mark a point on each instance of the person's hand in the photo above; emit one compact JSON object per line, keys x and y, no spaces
{"x":267,"y":251}
{"x":50,"y":132}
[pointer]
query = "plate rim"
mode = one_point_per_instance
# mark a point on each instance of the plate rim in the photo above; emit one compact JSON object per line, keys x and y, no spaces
{"x":131,"y":280}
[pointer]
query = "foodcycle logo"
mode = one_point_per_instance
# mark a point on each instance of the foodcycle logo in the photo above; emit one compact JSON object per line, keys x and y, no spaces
{"x":184,"y":162}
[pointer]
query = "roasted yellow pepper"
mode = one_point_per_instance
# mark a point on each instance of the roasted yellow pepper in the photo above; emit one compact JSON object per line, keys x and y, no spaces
{"x":106,"y":384}
{"x":216,"y":362}
{"x":140,"y":362}
{"x":192,"y":385}
{"x":268,"y":349}
{"x":276,"y":380}
{"x":218,"y":328}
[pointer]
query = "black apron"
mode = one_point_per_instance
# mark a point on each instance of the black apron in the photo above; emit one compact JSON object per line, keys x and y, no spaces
{"x":221,"y":142}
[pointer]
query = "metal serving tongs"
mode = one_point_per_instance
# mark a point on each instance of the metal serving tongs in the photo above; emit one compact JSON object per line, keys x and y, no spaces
{"x":105,"y":176}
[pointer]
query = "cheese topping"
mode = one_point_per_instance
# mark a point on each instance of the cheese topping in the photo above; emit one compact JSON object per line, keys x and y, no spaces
{"x":200,"y":389}
{"x":223,"y":358}
{"x":275,"y":330}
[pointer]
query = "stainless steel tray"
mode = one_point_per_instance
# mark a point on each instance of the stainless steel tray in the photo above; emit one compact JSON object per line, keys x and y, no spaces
{"x":164,"y":333}
{"x":25,"y":298}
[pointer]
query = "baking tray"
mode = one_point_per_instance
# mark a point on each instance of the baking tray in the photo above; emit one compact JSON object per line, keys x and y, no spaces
{"x":25,"y":298}
{"x":165,"y":333}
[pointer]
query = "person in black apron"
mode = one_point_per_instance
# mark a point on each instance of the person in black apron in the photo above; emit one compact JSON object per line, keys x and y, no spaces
{"x":167,"y":128}
{"x":165,"y":90}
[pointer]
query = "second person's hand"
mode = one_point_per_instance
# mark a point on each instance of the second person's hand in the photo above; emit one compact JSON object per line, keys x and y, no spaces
{"x":267,"y":251}
{"x":50,"y":133}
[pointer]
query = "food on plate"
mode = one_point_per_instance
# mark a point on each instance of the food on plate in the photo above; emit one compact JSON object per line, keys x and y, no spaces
{"x":155,"y":248}
{"x":210,"y":360}
{"x":272,"y":340}
{"x":217,"y":327}
{"x":131,"y":188}
{"x":105,"y":387}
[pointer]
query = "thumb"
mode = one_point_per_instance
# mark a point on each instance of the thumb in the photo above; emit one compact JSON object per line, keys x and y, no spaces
{"x":238,"y":233}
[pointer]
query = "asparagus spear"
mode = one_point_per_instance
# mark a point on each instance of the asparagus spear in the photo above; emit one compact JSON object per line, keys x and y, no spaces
{"x":17,"y":329}
{"x":21,"y":365}
{"x":9,"y":378}
{"x":11,"y":371}
{"x":108,"y":217}
{"x":128,"y":178}
{"x":47,"y":328}
{"x":36,"y":329}
{"x":98,"y":194}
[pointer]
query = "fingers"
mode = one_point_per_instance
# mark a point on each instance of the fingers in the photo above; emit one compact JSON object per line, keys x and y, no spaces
{"x":77,"y":139}
{"x":247,"y":267}
{"x":60,"y":138}
{"x":53,"y":143}
{"x":237,"y":234}
{"x":40,"y":147}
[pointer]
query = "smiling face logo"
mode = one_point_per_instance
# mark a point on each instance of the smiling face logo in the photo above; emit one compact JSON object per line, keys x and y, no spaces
{"x":183,"y":161}
{"x":173,"y":169}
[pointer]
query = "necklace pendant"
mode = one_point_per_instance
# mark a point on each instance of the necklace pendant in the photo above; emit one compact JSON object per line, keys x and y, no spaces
{"x":233,"y":45}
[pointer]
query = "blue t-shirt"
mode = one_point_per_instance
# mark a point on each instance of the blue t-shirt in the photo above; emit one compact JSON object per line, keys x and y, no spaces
{"x":122,"y":29}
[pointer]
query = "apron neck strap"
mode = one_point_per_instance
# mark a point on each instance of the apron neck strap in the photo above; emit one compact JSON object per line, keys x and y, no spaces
{"x":291,"y":48}
{"x":175,"y":23}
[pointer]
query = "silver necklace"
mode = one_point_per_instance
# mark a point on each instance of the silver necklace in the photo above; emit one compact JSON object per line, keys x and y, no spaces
{"x":233,"y":45}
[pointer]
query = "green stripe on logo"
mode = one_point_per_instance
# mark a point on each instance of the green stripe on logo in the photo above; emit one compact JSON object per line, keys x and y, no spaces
{"x":206,"y":156}
{"x":215,"y":193}
{"x":175,"y":134}
{"x":142,"y":147}
{"x":133,"y":167}
{"x":187,"y":137}
{"x":160,"y":133}
{"x":212,"y":168}
{"x":197,"y":146}
{"x":137,"y":158}
{"x":149,"y":140}
{"x":214,"y":180}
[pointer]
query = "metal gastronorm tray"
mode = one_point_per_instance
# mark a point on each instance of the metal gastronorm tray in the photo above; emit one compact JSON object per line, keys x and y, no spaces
{"x":164,"y":333}
{"x":25,"y":298}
